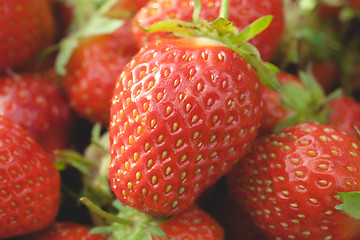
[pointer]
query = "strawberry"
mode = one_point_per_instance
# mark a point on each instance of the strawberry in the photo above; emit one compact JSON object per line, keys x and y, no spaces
{"x":66,"y":231}
{"x":27,"y":26}
{"x":241,"y":14}
{"x":180,"y":110}
{"x":327,"y":74}
{"x":192,"y":224}
{"x":40,"y":106}
{"x":290,"y":182}
{"x":354,"y":3}
{"x":92,"y":71}
{"x":29,"y":183}
{"x":345,"y":115}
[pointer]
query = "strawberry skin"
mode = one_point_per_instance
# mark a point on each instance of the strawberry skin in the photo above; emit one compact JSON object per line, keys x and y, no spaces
{"x":27,"y":26}
{"x":29,"y":183}
{"x":37,"y":103}
{"x":66,"y":231}
{"x":183,"y":111}
{"x":241,"y":14}
{"x":345,"y":115}
{"x":192,"y":224}
{"x":289,"y":182}
{"x":93,"y":69}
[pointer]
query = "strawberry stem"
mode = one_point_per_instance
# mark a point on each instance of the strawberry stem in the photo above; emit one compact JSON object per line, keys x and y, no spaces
{"x":108,"y":216}
{"x":224,"y":9}
{"x":197,"y":10}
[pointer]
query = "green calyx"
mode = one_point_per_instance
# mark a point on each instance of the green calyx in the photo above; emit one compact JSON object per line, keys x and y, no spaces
{"x":223,"y":31}
{"x":306,"y":101}
{"x":125,"y":222}
{"x":89,"y":19}
{"x":351,"y":203}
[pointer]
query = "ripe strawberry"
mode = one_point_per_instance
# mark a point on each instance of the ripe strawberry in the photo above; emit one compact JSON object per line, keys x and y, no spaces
{"x":183,"y":111}
{"x":40,"y":106}
{"x":241,"y":14}
{"x":66,"y":231}
{"x":192,"y":224}
{"x":345,"y":115}
{"x":29,"y":183}
{"x":27,"y":26}
{"x":354,"y":3}
{"x":326,"y":73}
{"x":290,"y":181}
{"x":92,"y":71}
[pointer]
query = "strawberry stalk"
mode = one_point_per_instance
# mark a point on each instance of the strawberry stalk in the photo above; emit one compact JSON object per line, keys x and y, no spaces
{"x":223,"y":31}
{"x":127,"y":224}
{"x":91,"y":206}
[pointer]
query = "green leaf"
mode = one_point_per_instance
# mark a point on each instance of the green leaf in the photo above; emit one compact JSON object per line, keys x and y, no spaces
{"x":313,"y":36}
{"x":254,"y":28}
{"x":294,"y":97}
{"x":67,"y":46}
{"x":101,"y":25}
{"x":312,"y":86}
{"x":156,"y":230}
{"x":178,"y":27}
{"x":101,"y":230}
{"x":96,"y":134}
{"x":288,"y":121}
{"x":223,"y":26}
{"x":265,"y":73}
{"x":351,"y":203}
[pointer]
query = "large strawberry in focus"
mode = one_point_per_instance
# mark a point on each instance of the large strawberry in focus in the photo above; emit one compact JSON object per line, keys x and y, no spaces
{"x":183,"y":111}
{"x":241,"y":14}
{"x":290,"y":182}
{"x":29,"y":183}
{"x":27,"y":27}
{"x":92,"y":70}
{"x":39,"y":104}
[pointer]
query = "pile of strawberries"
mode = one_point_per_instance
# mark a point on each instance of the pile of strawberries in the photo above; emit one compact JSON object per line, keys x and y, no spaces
{"x":179,"y":119}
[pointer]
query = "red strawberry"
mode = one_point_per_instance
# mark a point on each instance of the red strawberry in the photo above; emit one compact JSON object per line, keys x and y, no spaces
{"x":27,"y":26}
{"x":92,"y":71}
{"x":40,"y":106}
{"x":183,"y":111}
{"x":354,"y":3}
{"x":66,"y":231}
{"x":192,"y":224}
{"x":241,"y":14}
{"x":289,"y":182}
{"x":345,"y":115}
{"x":326,"y":73}
{"x":29,"y":183}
